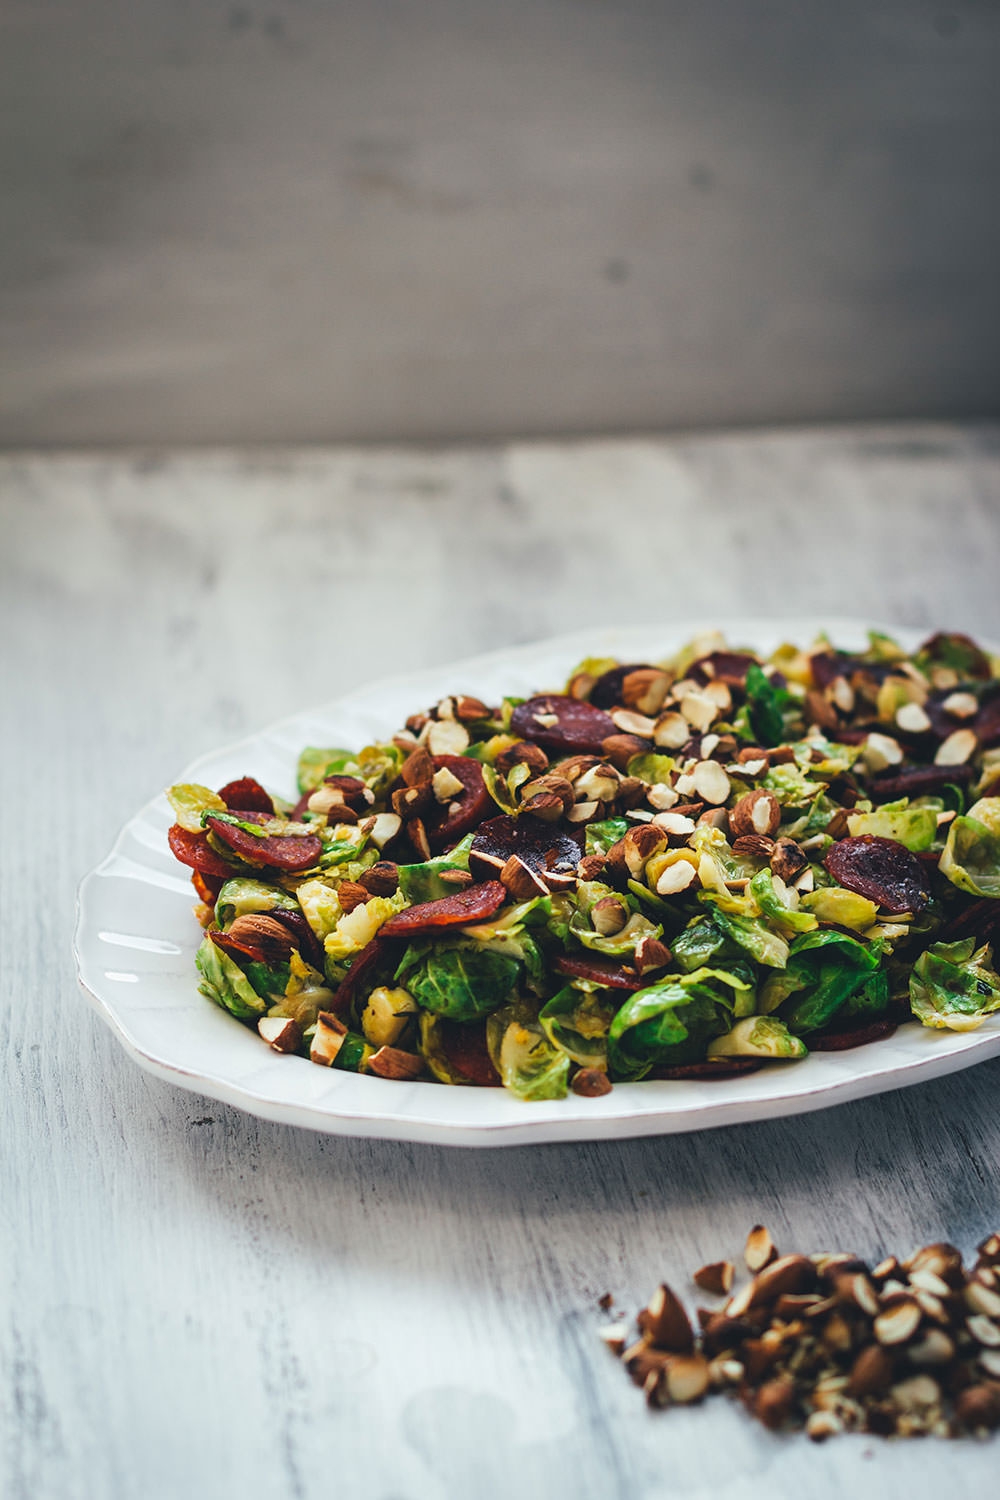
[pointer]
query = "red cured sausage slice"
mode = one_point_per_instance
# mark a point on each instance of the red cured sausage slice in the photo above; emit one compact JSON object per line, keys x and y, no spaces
{"x":598,"y":969}
{"x":361,"y":969}
{"x":447,"y":822}
{"x":277,"y":851}
{"x":207,"y":886}
{"x":561,"y":723}
{"x":917,"y":781}
{"x":247,"y":795}
{"x":712,"y":1067}
{"x":842,"y":1041}
{"x":464,"y":1045}
{"x":194,"y":850}
{"x":542,"y":846}
{"x":881,"y":869}
{"x":474,"y":904}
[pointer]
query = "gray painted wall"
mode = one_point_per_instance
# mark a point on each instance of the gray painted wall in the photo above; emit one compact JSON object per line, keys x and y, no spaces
{"x":268,"y":220}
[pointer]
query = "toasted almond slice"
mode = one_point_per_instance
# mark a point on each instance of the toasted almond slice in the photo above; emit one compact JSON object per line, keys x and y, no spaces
{"x":281,"y":1033}
{"x":880,"y":751}
{"x":715,"y":1278}
{"x":661,"y":796}
{"x":699,"y":710}
{"x":677,"y":825}
{"x":630,"y":722}
{"x":446,"y":785}
{"x":912,"y":719}
{"x":984,"y":1330}
{"x":687,"y":1378}
{"x":447,"y":737}
{"x":581,"y":811}
{"x":956,"y":749}
{"x":759,"y":1250}
{"x":675,"y":878}
{"x":671,"y":731}
{"x":961,"y":705}
{"x":898,"y":1322}
{"x":711,"y":782}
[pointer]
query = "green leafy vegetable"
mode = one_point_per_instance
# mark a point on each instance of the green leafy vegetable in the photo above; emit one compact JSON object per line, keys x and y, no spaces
{"x":971,"y":858}
{"x":224,"y":982}
{"x":239,"y":897}
{"x":529,"y":1064}
{"x":578,"y":1022}
{"x":423,"y":882}
{"x":600,"y":836}
{"x":461,"y":983}
{"x":913,"y":827}
{"x":825,"y":969}
{"x":764,"y":703}
{"x":758,"y":1036}
{"x":671,"y":1021}
{"x":954,"y":986}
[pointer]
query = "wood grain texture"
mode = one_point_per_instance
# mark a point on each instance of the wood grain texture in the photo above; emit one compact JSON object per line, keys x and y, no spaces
{"x":201,"y":1303}
{"x":319,"y":220}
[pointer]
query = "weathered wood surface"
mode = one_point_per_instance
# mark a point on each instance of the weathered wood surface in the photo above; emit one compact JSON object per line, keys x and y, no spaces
{"x":201,"y":1303}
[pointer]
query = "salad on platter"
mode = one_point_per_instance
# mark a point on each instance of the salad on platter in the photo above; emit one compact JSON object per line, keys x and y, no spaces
{"x":687,"y":868}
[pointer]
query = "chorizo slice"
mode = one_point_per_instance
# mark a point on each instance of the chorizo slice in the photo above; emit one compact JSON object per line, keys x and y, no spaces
{"x":247,"y":795}
{"x":464,"y":1045}
{"x":447,"y":822}
{"x":194,"y":850}
{"x":598,"y":969}
{"x":559,"y":723}
{"x":712,"y":1067}
{"x":473,"y":904}
{"x":274,"y":851}
{"x":857,"y":1036}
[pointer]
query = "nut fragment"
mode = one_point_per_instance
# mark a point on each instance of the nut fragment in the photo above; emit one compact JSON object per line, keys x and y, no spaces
{"x":711,"y":782}
{"x":640,"y":844}
{"x":774,"y":1402}
{"x":328,"y":1038}
{"x":520,"y":880}
{"x":759,"y":1250}
{"x":281,"y":1033}
{"x":961,"y":705}
{"x":757,"y":812}
{"x":959,"y":747}
{"x":788,"y":860}
{"x":898,"y":1321}
{"x":609,"y":915}
{"x":912,"y":719}
{"x":629,"y":722}
{"x":687,"y":1378}
{"x":978,"y":1407}
{"x":666,"y":1322}
{"x":591,"y":1083}
{"x":650,"y":954}
{"x":446,"y":785}
{"x":676,"y":878}
{"x":382,"y":828}
{"x":645,"y":689}
{"x":381,"y":879}
{"x":350,"y":893}
{"x":716,"y":1278}
{"x":392,"y":1062}
{"x":447,"y":737}
{"x":671,"y":731}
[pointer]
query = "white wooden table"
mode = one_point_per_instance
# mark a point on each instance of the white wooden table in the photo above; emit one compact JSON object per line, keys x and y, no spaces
{"x":198,"y":1303}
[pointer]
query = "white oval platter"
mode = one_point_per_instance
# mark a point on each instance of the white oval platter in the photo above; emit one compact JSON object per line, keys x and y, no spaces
{"x":136,"y":938}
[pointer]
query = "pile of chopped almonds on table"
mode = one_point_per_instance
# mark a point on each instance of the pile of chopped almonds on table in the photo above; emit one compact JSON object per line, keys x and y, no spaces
{"x":825,"y":1342}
